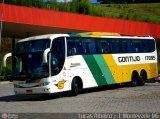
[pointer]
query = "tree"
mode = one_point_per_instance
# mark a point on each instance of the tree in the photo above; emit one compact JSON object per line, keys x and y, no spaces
{"x":129,"y":1}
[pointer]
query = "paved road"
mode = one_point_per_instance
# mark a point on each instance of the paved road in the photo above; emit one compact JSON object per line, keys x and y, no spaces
{"x":145,"y":99}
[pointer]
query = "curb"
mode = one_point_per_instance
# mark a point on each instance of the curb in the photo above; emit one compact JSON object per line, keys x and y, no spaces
{"x":5,"y":82}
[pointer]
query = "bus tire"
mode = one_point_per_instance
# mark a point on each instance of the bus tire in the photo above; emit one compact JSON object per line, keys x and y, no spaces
{"x":74,"y":87}
{"x":135,"y":78}
{"x":142,"y":78}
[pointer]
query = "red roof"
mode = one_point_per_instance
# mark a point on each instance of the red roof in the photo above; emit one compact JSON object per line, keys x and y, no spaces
{"x":18,"y":19}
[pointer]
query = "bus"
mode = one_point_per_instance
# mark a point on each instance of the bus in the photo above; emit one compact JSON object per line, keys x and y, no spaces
{"x":70,"y":62}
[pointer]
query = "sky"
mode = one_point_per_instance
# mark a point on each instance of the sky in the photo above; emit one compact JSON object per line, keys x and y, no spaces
{"x":93,"y":1}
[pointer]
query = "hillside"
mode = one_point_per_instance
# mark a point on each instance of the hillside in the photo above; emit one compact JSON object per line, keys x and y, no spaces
{"x":141,"y":12}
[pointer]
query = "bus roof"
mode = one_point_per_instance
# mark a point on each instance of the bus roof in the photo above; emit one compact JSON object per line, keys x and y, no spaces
{"x":93,"y":34}
{"x":47,"y":36}
{"x":84,"y":34}
{"x":100,"y":33}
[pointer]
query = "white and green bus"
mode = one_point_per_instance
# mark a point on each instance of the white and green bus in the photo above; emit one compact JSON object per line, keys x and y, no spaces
{"x":70,"y":62}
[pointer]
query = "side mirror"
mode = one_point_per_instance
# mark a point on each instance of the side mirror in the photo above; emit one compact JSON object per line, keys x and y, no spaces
{"x":45,"y":53}
{"x":5,"y":58}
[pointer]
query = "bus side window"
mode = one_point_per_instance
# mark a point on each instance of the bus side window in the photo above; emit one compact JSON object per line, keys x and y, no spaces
{"x":151,"y":45}
{"x":104,"y":46}
{"x":71,"y":47}
{"x":137,"y":46}
{"x":144,"y":46}
{"x":124,"y":46}
{"x":127,"y":46}
{"x":130,"y":46}
{"x":98,"y":46}
{"x":75,"y":46}
{"x":116,"y":46}
{"x":90,"y":46}
{"x":80,"y":46}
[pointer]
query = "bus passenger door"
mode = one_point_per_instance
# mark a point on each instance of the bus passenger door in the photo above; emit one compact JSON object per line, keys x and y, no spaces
{"x":58,"y":72}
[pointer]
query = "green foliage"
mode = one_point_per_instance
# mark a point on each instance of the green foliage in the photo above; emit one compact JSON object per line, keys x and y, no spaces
{"x":140,"y":12}
{"x":76,"y":6}
{"x":6,"y":70}
{"x":6,"y":47}
{"x":146,"y":19}
{"x":129,"y":1}
{"x":84,"y":7}
{"x":33,"y":3}
{"x":1,"y":78}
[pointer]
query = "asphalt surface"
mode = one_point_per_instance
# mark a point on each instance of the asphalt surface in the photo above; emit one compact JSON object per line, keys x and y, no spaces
{"x":140,"y":99}
{"x":109,"y":99}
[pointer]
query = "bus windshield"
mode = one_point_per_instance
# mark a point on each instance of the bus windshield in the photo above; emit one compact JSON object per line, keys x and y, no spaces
{"x":29,"y":59}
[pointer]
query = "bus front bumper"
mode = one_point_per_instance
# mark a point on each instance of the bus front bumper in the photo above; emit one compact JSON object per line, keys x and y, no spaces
{"x":33,"y":90}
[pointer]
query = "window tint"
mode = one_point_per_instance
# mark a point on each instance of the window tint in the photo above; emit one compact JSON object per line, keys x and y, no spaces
{"x":116,"y":46}
{"x":125,"y":46}
{"x":145,"y":46}
{"x":75,"y":46}
{"x":98,"y":46}
{"x":32,"y":46}
{"x":57,"y":55}
{"x":78,"y":46}
{"x":105,"y":46}
{"x":136,"y":46}
{"x":151,"y":45}
{"x":71,"y":47}
{"x":90,"y":46}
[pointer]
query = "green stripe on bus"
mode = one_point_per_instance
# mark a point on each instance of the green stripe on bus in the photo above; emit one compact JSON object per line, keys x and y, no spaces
{"x":74,"y":35}
{"x":84,"y":35}
{"x":78,"y":35}
{"x":104,"y":69}
{"x":95,"y":69}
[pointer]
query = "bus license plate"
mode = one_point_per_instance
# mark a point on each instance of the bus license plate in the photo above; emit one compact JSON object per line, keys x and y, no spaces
{"x":28,"y":91}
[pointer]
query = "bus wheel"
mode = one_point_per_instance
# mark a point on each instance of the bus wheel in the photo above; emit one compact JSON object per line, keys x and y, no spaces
{"x":74,"y":90}
{"x":134,"y":80}
{"x":142,"y":79}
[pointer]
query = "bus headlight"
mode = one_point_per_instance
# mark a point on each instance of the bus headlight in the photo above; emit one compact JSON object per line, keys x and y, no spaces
{"x":44,"y":84}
